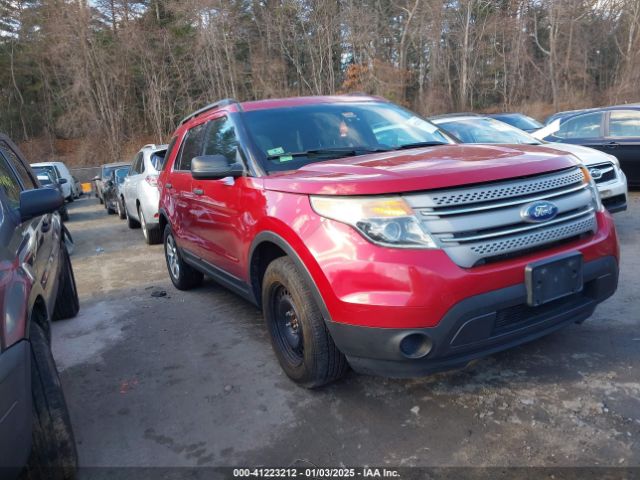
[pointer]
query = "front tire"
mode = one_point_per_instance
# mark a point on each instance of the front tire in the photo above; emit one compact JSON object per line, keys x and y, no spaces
{"x":53,"y":451}
{"x":67,"y":303}
{"x":183,"y":276}
{"x":299,"y":335}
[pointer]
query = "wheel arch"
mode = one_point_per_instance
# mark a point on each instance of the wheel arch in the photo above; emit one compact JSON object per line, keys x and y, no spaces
{"x":266,"y":247}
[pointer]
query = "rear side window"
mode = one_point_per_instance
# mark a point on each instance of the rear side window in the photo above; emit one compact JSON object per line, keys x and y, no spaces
{"x":624,"y":123}
{"x":157,"y":159}
{"x":9,"y":184}
{"x":25,"y":175}
{"x":191,"y":146}
{"x":136,"y":166}
{"x":582,"y":126}
{"x":221,"y":139}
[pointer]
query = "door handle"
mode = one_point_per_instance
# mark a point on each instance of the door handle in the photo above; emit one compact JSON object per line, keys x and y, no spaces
{"x":612,"y":145}
{"x":198,"y":191}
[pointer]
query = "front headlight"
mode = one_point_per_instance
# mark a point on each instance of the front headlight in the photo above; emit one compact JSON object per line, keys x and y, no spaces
{"x":387,"y":221}
{"x":594,"y":189}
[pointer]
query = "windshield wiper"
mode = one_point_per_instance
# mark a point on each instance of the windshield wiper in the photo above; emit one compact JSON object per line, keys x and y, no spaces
{"x":419,"y":145}
{"x":337,"y":152}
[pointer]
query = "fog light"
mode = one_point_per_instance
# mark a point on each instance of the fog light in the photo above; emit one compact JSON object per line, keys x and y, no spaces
{"x":415,"y":345}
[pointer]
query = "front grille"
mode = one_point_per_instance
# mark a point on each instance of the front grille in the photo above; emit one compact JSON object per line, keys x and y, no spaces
{"x":478,"y":223}
{"x":603,"y":172}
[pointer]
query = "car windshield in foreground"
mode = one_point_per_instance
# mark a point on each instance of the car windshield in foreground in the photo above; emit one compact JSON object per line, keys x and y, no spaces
{"x":292,"y":137}
{"x":487,"y":130}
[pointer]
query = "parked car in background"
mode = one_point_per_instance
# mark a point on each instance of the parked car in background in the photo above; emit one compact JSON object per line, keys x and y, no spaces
{"x":37,"y":286}
{"x":604,"y":168}
{"x":105,"y":173}
{"x":399,"y":254}
{"x":78,"y":187}
{"x":61,"y":171}
{"x":141,"y":191}
{"x":614,"y":130}
{"x":47,"y":181}
{"x":518,"y":120}
{"x":111,"y":191}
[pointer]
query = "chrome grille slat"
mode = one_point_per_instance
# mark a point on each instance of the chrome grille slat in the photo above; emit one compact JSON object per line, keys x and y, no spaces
{"x":492,"y":206}
{"x":512,"y":231}
{"x":498,"y":190}
{"x":475,"y":223}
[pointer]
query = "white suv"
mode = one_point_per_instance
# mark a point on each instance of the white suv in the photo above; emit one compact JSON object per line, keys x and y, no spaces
{"x":140,"y":191}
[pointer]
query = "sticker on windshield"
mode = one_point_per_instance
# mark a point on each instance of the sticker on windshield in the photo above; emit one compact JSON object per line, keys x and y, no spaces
{"x":275,"y":151}
{"x":285,"y":158}
{"x":422,"y":125}
{"x":348,"y":115}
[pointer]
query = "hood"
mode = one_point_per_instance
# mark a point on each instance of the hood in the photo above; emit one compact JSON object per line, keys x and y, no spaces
{"x":588,"y":156}
{"x":419,"y":169}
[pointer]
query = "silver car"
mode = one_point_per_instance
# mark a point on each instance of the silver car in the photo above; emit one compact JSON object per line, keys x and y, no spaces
{"x":141,"y":194}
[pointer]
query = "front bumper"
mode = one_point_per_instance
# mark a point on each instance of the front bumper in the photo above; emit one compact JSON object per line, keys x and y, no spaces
{"x":474,"y":327}
{"x":614,"y":193}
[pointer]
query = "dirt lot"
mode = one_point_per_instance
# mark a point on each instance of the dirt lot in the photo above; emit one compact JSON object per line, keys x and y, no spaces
{"x":190,"y":379}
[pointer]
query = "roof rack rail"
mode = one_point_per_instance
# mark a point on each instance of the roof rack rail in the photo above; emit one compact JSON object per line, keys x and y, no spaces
{"x":211,"y":106}
{"x":150,"y":145}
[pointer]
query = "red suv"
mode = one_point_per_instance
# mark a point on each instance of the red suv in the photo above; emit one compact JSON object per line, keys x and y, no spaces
{"x":370,"y":239}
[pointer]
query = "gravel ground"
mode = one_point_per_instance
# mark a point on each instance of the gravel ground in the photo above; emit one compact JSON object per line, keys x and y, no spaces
{"x":189,"y":379}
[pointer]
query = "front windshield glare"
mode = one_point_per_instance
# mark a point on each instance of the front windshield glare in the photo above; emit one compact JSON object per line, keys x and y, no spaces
{"x":488,"y":130}
{"x":292,"y":137}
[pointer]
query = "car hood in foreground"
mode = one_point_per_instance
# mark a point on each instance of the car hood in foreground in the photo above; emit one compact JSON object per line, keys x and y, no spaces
{"x":419,"y":169}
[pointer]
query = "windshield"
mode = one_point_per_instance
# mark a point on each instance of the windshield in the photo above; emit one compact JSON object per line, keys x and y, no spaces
{"x":522,"y":122}
{"x":106,"y":171}
{"x":121,"y":173}
{"x":289,"y":138}
{"x":47,"y":169}
{"x":487,"y":130}
{"x":44,"y":180}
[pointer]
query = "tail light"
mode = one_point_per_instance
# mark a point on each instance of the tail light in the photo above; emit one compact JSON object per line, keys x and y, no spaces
{"x":152,"y":180}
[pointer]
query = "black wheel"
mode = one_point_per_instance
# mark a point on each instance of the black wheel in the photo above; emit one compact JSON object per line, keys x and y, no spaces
{"x":53,"y":451}
{"x":183,"y":276}
{"x":64,"y":214}
{"x":71,"y":198}
{"x":100,"y":200}
{"x":110,"y":211}
{"x":121,"y":212}
{"x":299,"y":336}
{"x":152,"y":234}
{"x":67,"y":303}
{"x":131,"y":223}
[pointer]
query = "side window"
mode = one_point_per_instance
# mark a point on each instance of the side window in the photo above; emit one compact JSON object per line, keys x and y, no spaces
{"x":624,"y":123}
{"x":9,"y":184}
{"x":582,"y":126}
{"x":23,"y":171}
{"x":221,"y":139}
{"x":191,"y":146}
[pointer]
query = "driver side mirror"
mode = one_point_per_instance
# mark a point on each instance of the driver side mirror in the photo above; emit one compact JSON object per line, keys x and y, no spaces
{"x":62,"y":181}
{"x":214,"y":167}
{"x":39,"y":201}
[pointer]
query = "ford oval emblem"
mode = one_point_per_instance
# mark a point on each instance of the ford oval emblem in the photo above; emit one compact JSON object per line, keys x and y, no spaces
{"x":538,"y":212}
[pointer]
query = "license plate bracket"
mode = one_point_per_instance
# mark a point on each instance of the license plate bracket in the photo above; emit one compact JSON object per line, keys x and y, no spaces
{"x":551,"y":279}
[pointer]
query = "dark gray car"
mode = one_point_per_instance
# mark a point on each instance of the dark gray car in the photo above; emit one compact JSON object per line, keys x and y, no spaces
{"x":37,"y":287}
